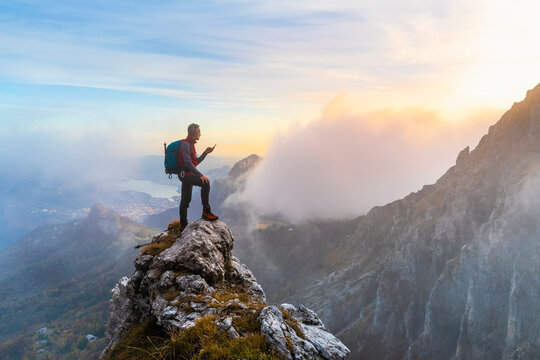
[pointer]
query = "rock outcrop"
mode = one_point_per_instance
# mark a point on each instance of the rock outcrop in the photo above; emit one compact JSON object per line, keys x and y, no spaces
{"x":449,"y":272}
{"x":197,"y":278}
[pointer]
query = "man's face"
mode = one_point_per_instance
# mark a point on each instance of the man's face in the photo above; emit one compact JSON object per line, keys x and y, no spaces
{"x":197,"y":134}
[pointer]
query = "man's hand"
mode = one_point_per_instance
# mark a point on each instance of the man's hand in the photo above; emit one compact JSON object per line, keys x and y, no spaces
{"x":205,"y":179}
{"x":209,"y":149}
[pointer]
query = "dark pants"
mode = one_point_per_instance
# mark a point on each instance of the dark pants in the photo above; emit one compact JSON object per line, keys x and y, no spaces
{"x":187,"y":187}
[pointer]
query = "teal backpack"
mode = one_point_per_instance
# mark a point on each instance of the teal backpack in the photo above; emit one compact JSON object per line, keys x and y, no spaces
{"x":171,"y":158}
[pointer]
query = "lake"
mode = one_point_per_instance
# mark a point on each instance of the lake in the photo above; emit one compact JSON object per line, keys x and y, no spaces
{"x":151,"y":188}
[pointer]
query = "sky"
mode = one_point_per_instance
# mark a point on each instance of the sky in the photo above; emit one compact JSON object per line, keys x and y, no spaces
{"x":133,"y":74}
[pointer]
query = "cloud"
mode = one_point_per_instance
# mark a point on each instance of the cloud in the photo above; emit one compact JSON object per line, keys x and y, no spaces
{"x":345,"y":163}
{"x":227,"y":58}
{"x":214,"y":51}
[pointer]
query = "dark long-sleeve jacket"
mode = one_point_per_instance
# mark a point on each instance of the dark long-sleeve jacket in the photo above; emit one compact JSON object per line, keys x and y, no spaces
{"x":185,"y":149}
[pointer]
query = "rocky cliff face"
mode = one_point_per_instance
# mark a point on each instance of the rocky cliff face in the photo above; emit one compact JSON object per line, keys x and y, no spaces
{"x":196,"y":289}
{"x":449,"y":272}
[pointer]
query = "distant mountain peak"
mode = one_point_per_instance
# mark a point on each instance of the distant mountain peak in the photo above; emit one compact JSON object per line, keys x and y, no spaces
{"x":100,"y":211}
{"x":510,"y":144}
{"x":60,"y":276}
{"x":533,"y":94}
{"x":108,"y":221}
{"x":244,"y":166}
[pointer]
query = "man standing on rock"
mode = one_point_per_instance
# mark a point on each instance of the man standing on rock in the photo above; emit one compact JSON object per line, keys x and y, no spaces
{"x":189,"y":175}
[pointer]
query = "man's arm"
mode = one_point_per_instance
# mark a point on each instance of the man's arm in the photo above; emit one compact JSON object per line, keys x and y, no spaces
{"x":201,"y":158}
{"x":186,"y":154}
{"x":206,"y":152}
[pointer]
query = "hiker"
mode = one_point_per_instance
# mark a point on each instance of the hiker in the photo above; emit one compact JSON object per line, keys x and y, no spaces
{"x":189,"y":175}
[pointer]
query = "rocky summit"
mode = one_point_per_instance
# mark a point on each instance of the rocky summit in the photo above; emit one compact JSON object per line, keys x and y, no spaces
{"x":190,"y":298}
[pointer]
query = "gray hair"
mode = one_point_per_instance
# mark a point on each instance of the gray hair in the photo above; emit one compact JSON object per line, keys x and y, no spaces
{"x":192,"y":128}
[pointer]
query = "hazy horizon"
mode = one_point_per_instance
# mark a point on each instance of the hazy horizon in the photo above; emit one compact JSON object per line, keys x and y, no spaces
{"x":398,"y":91}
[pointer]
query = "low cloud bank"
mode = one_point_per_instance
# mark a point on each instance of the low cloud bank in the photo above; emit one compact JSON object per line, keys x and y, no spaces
{"x":345,"y":163}
{"x":89,"y":158}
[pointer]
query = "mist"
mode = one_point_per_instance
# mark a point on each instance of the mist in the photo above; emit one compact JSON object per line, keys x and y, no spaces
{"x":344,"y":163}
{"x":89,"y":158}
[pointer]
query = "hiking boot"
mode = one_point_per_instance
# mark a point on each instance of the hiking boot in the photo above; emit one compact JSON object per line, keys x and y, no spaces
{"x":207,"y":214}
{"x":183,"y":226}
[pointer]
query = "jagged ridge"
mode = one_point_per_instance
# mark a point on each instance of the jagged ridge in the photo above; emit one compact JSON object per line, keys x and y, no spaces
{"x":450,"y":272}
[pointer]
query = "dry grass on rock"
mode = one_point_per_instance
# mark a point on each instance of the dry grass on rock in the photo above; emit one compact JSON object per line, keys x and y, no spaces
{"x":173,"y":233}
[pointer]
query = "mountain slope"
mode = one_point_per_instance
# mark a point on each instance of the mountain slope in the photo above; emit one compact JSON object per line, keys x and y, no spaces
{"x":449,"y":272}
{"x":60,"y":276}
